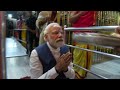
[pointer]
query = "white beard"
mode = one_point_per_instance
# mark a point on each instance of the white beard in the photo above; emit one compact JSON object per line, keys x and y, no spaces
{"x":60,"y":44}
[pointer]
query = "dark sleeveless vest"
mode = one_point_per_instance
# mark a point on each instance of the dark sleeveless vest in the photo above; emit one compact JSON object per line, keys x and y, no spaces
{"x":47,"y":59}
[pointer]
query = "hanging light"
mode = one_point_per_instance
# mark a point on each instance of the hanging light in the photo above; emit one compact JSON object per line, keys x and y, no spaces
{"x":10,"y":15}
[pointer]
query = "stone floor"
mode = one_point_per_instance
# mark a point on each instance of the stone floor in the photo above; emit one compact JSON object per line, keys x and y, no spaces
{"x":14,"y":48}
{"x":17,"y":61}
{"x":17,"y":67}
{"x":109,"y":69}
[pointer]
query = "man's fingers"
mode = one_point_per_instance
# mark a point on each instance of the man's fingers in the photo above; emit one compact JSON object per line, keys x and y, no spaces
{"x":68,"y":58}
{"x":64,"y":59}
{"x":67,"y":55}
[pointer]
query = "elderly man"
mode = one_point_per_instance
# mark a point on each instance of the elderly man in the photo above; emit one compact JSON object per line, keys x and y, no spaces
{"x":52,"y":60}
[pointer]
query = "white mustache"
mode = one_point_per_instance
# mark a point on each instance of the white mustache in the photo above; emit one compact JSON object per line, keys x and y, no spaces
{"x":59,"y":40}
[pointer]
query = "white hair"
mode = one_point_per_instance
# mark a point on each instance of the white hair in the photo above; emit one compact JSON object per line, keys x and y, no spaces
{"x":49,"y":27}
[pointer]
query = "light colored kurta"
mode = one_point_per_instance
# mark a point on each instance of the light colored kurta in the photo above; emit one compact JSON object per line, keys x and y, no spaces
{"x":43,"y":15}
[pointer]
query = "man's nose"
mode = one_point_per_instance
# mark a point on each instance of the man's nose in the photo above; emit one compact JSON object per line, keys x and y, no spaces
{"x":60,"y":34}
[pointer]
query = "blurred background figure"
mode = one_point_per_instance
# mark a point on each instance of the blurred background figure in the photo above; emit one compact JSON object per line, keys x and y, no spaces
{"x":20,"y":22}
{"x":117,"y":33}
{"x":32,"y":40}
{"x":44,"y":18}
{"x":80,"y":57}
{"x":9,"y":27}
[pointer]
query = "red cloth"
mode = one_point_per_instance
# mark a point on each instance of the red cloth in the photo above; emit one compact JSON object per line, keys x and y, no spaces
{"x":86,"y":20}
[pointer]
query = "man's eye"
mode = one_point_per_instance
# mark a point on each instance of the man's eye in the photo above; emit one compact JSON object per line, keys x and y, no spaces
{"x":55,"y":32}
{"x":58,"y":32}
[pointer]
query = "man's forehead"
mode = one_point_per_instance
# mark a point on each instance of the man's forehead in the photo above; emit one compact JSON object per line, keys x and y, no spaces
{"x":56,"y":26}
{"x":53,"y":27}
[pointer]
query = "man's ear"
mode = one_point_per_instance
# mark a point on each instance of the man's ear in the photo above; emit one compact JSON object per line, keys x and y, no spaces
{"x":45,"y":37}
